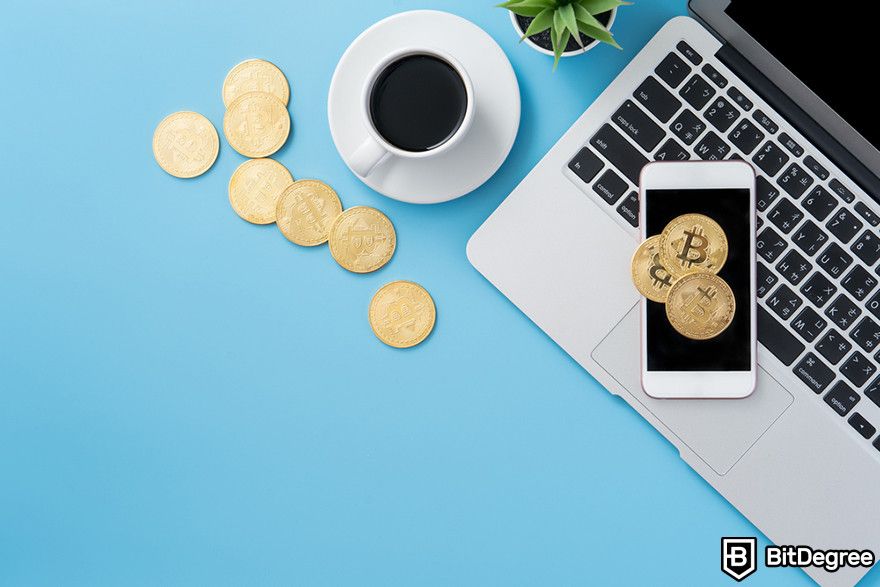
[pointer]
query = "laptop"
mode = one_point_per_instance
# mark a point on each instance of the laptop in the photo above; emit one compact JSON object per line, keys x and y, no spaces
{"x":762,"y":82}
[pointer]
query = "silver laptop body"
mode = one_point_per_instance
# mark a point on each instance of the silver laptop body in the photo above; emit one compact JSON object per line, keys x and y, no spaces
{"x":559,"y":248}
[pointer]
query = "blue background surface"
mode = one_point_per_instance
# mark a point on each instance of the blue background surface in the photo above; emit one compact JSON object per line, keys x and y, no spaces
{"x":187,"y":398}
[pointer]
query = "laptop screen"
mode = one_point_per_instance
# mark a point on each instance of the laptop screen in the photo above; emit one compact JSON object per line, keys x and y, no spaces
{"x":831,"y":51}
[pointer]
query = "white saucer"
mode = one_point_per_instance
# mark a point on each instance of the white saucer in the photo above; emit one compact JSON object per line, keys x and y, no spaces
{"x":466,"y":166}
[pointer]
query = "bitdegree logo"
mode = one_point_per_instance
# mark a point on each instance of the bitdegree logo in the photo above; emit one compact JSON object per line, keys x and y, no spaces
{"x":806,"y":556}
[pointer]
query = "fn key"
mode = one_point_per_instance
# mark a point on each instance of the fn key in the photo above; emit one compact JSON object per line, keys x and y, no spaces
{"x":586,"y":165}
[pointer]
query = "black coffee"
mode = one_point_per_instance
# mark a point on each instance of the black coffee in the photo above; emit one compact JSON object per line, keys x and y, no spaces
{"x":418,"y":103}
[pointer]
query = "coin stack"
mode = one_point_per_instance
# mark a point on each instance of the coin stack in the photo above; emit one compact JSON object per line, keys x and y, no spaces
{"x":308,"y":212}
{"x":679,"y":268}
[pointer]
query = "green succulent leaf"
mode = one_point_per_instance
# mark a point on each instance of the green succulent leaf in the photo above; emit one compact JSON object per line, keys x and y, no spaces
{"x":559,"y":35}
{"x":585,"y":17}
{"x":598,"y":34}
{"x":600,"y":6}
{"x":542,"y":22}
{"x":570,"y":22}
{"x":527,"y":7}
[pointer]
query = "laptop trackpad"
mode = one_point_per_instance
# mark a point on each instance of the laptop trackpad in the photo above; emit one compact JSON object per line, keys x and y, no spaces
{"x":719,"y":431}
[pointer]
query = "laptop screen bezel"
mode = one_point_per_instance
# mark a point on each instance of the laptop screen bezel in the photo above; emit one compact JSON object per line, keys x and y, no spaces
{"x":713,"y":16}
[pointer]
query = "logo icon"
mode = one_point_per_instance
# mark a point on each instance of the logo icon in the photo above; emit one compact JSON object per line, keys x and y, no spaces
{"x":739,"y":557}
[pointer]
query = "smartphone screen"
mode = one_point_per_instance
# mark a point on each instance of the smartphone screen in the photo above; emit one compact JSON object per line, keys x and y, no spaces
{"x":667,"y":350}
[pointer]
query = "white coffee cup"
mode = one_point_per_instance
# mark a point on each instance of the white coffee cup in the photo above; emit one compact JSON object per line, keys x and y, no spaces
{"x":375,"y":149}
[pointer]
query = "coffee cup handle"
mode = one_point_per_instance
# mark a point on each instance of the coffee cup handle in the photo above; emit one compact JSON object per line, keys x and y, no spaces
{"x":367,"y":157}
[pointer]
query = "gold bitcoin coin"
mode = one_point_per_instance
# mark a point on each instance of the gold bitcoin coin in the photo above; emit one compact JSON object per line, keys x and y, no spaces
{"x":648,"y":274}
{"x":255,"y":75}
{"x":256,"y":124}
{"x":255,"y":187}
{"x":362,"y":239}
{"x":306,"y":210}
{"x":185,"y":144}
{"x":693,"y":242}
{"x":700,"y":306}
{"x":402,"y":314}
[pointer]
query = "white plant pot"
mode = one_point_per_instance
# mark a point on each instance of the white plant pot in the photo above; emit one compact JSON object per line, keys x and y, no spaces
{"x":541,"y":49}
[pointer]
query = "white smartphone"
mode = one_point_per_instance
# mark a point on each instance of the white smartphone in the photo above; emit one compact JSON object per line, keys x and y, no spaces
{"x":674,"y":366}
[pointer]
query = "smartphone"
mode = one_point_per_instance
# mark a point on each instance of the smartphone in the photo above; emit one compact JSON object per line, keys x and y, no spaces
{"x":675,"y":366}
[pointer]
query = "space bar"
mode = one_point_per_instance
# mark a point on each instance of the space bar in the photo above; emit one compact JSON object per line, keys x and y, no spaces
{"x":777,"y":338}
{"x":619,"y":152}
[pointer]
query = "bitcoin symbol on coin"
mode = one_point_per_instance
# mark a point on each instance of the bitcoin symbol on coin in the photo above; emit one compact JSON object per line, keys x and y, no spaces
{"x":700,"y":306}
{"x":693,"y":242}
{"x":649,"y":275}
{"x":659,"y":276}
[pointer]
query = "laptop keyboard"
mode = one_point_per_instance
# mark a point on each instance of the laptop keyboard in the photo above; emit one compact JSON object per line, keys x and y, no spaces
{"x":817,"y":273}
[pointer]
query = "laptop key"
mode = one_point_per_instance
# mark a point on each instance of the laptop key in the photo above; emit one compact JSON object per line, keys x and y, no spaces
{"x":834,"y":346}
{"x":770,"y":158}
{"x":777,"y":338}
{"x":818,"y":289}
{"x":770,"y":245}
{"x":619,"y":152}
{"x":873,"y":305}
{"x":657,"y":99}
{"x":795,"y":180}
{"x":861,"y":425}
{"x":867,"y":247}
{"x":714,"y":76}
{"x":834,"y":260}
{"x":872,"y":392}
{"x":764,"y":121}
{"x":746,"y":136}
{"x":687,"y":127}
{"x":784,"y":302}
{"x":790,"y":144}
{"x":688,"y":52}
{"x":793,"y":267}
{"x":671,"y":151}
{"x":586,"y":165}
{"x":844,"y":225}
{"x":766,"y":280}
{"x":843,"y":312}
{"x":809,"y":324}
{"x":712,"y":148}
{"x":866,"y":334}
{"x":610,"y":186}
{"x":810,"y":238}
{"x":629,"y":209}
{"x":842,"y":398}
{"x":867,"y":213}
{"x":672,"y":70}
{"x":721,"y":114}
{"x":841,"y":190}
{"x":859,"y":282}
{"x":819,"y":203}
{"x":816,"y":374}
{"x":858,"y":369}
{"x":816,"y":167}
{"x":765,"y":193}
{"x":634,"y":123}
{"x":740,"y":98}
{"x":697,"y":92}
{"x":785,"y":215}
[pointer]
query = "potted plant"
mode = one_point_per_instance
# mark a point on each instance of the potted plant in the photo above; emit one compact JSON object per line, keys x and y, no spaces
{"x":563,"y":27}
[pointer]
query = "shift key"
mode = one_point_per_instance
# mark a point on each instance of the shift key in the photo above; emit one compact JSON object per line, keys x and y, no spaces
{"x":619,"y":152}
